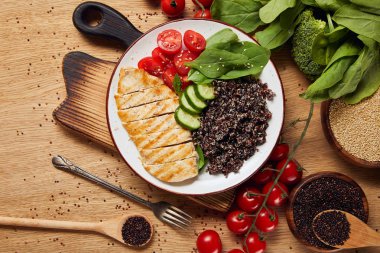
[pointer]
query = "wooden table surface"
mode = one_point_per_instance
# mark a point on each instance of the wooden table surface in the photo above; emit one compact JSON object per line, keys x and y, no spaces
{"x":34,"y":37}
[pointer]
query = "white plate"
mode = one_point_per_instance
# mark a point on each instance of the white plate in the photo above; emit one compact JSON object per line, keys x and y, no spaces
{"x":204,"y":183}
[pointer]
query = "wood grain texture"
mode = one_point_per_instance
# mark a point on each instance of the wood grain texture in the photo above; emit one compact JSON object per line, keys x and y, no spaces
{"x":34,"y":37}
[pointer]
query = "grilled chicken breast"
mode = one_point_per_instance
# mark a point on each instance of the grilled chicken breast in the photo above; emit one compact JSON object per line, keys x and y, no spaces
{"x":146,"y":108}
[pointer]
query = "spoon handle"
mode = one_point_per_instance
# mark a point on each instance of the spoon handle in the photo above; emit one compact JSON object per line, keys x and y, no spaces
{"x":54,"y":224}
{"x":64,"y":164}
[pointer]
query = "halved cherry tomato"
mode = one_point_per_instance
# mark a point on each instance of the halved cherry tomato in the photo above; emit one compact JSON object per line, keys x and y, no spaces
{"x":170,"y":41}
{"x":292,"y":173}
{"x":173,"y":8}
{"x":180,"y":59}
{"x":263,"y":176}
{"x":279,"y":152}
{"x":159,"y":55}
{"x":249,"y":199}
{"x":168,"y":76}
{"x":151,"y":66}
{"x":267,"y":220}
{"x":209,"y":242}
{"x":238,"y":222}
{"x":278,"y":196}
{"x":205,"y":3}
{"x":203,"y":14}
{"x":235,"y":251}
{"x":194,"y":41}
{"x":254,"y":244}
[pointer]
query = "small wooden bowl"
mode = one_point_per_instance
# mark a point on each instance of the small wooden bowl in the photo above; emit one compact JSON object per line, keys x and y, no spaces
{"x":306,"y":180}
{"x":325,"y":120}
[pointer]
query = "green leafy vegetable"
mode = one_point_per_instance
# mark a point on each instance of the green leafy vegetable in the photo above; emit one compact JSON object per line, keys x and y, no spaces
{"x":258,"y":57}
{"x":309,"y":3}
{"x":369,"y":84}
{"x":243,"y":14}
{"x":330,"y":5}
{"x":177,"y":85}
{"x":197,"y":77}
{"x":201,"y":158}
{"x":274,"y":8}
{"x":349,"y":48}
{"x":222,"y":39}
{"x":367,"y":3}
{"x":214,"y":63}
{"x":359,"y":22}
{"x":325,"y":44}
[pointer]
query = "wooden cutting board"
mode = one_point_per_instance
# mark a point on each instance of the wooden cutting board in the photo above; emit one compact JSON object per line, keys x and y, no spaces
{"x":84,"y":110}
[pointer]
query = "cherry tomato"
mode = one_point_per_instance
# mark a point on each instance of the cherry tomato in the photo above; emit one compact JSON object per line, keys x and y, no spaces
{"x":209,"y":242}
{"x":267,"y":220}
{"x":168,"y":76}
{"x":173,"y":8}
{"x":159,"y":55}
{"x":279,"y":194}
{"x":185,"y":82}
{"x":180,"y":59}
{"x":170,"y":41}
{"x":151,"y":66}
{"x":263,"y":176}
{"x":206,"y":14}
{"x":292,"y":174}
{"x":248,"y":199}
{"x":238,"y":222}
{"x":194,"y":41}
{"x":254,"y":243}
{"x":235,"y":251}
{"x":279,"y":152}
{"x":205,"y":3}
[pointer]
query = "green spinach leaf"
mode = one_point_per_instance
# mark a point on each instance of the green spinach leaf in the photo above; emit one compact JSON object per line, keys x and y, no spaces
{"x":274,"y":8}
{"x":348,"y":48}
{"x":197,"y":77}
{"x":328,"y":79}
{"x":367,"y":3}
{"x":243,"y":14}
{"x":288,"y":17}
{"x":310,"y":3}
{"x":369,"y":84}
{"x":330,"y":5}
{"x":258,"y":57}
{"x":177,"y":85}
{"x":222,"y":39}
{"x":359,"y":22}
{"x":214,"y":63}
{"x":326,"y":44}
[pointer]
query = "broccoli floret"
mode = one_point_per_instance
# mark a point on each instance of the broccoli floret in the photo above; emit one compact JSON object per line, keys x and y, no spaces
{"x":303,"y":38}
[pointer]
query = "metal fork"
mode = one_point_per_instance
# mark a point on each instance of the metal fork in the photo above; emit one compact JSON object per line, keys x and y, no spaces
{"x":162,"y":210}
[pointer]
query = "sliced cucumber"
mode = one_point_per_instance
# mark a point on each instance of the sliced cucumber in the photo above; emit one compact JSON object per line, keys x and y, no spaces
{"x":205,"y":91}
{"x":187,"y":120}
{"x":193,"y":100}
{"x":186,"y":106}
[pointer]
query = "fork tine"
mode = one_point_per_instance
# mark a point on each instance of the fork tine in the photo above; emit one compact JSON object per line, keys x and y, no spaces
{"x":180,"y":211}
{"x":174,"y":219}
{"x":172,"y":223}
{"x":178,"y":216}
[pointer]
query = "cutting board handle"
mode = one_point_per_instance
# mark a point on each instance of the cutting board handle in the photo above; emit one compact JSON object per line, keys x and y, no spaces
{"x":100,"y":20}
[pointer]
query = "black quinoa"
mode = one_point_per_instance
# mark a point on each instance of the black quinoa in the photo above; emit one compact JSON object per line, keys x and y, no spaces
{"x":234,"y":124}
{"x":136,"y":231}
{"x":332,"y":227}
{"x":323,"y":194}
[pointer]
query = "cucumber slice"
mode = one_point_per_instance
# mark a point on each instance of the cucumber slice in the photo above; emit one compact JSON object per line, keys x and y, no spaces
{"x":186,"y":106}
{"x":187,"y":120}
{"x":205,"y":91}
{"x":193,"y":100}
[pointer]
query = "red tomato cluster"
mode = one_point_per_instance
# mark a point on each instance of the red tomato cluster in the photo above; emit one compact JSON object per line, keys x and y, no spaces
{"x":169,"y":57}
{"x":251,"y":195}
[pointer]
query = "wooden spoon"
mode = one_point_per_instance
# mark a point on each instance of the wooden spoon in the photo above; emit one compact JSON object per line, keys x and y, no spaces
{"x":111,"y":228}
{"x":361,"y":235}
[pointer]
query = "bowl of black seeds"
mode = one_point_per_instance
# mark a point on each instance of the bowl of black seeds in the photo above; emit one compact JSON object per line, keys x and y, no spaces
{"x":137,"y":231}
{"x":320,"y":192}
